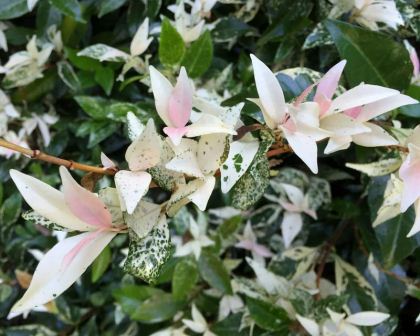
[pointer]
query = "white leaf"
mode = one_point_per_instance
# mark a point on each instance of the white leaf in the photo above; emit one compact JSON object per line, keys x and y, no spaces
{"x":140,"y":42}
{"x":367,"y":318}
{"x":162,"y":90}
{"x":378,"y":168}
{"x":360,"y":95}
{"x":131,"y":186}
{"x":201,"y":196}
{"x":239,"y":159}
{"x":185,"y":160}
{"x":210,"y":152}
{"x":310,"y":325}
{"x":376,"y":137}
{"x":305,"y":147}
{"x":208,"y":124}
{"x":144,"y":218}
{"x":51,"y":278}
{"x":145,"y":151}
{"x":290,"y":226}
{"x":270,"y":93}
{"x":134,"y":125}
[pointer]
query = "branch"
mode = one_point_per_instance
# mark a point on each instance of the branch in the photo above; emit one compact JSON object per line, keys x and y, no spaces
{"x":38,"y":155}
{"x":327,"y":248}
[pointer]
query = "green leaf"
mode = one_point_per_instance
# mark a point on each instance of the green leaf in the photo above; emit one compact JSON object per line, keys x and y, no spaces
{"x":214,"y":272}
{"x":105,"y":78}
{"x":70,"y":8}
{"x":158,"y":308}
{"x":130,"y":297}
{"x":251,"y":186}
{"x":392,"y":234}
{"x":372,"y":57}
{"x":12,"y":9}
{"x":82,"y":62}
{"x":68,"y":76}
{"x":146,"y":256}
{"x":103,"y":109}
{"x":97,"y":130}
{"x":184,"y":279}
{"x":268,"y":316}
{"x":108,"y":6}
{"x":171,"y":45}
{"x":100,"y":264}
{"x":199,"y":55}
{"x":10,"y":209}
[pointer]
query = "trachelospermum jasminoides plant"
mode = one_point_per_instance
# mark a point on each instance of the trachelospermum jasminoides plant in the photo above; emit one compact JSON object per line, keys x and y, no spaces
{"x":232,"y":196}
{"x":186,"y":166}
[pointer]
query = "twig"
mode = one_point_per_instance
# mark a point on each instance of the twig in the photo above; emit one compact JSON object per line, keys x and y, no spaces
{"x":327,"y":248}
{"x":241,"y":131}
{"x":363,"y":249}
{"x":38,"y":155}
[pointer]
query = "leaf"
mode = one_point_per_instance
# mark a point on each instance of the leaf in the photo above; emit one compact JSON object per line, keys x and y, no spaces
{"x":37,"y":219}
{"x":146,"y":256}
{"x":68,"y":76}
{"x":70,"y":8}
{"x":100,"y":264}
{"x":130,"y":297}
{"x":251,"y":186}
{"x":105,"y":78}
{"x":157,"y":309}
{"x":10,"y":209}
{"x":102,"y":52}
{"x":268,"y":316}
{"x":171,"y":45}
{"x":392,"y":234}
{"x":372,"y":57}
{"x":349,"y":280}
{"x":36,"y":89}
{"x":184,"y":279}
{"x":214,"y":272}
{"x":108,"y":6}
{"x":144,"y":218}
{"x":102,"y":109}
{"x":199,"y":55}
{"x":378,"y":168}
{"x":97,"y":130}
{"x":12,"y":9}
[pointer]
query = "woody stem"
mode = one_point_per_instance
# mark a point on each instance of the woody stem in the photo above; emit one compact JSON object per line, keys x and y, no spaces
{"x":38,"y":155}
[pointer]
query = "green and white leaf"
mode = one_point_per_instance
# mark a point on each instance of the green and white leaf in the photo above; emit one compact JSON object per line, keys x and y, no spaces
{"x":379,"y":168}
{"x":36,"y":218}
{"x":102,"y":52}
{"x":390,"y":207}
{"x":241,"y":154}
{"x":146,"y":256}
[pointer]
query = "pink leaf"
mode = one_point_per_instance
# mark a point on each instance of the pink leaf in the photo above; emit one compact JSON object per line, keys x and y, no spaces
{"x":354,"y":112}
{"x":328,"y":84}
{"x":175,"y":134}
{"x":68,"y":258}
{"x":180,"y":101}
{"x":84,"y":204}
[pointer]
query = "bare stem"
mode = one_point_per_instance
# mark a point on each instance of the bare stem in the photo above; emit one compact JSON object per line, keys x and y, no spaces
{"x":38,"y":155}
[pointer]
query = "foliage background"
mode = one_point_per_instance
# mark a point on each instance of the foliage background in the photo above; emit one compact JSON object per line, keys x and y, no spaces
{"x":92,"y":119}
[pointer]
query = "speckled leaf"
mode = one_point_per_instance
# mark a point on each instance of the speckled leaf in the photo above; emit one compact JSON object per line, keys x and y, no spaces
{"x":36,"y":218}
{"x":102,"y":52}
{"x":146,"y":256}
{"x":379,"y":168}
{"x":251,"y":186}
